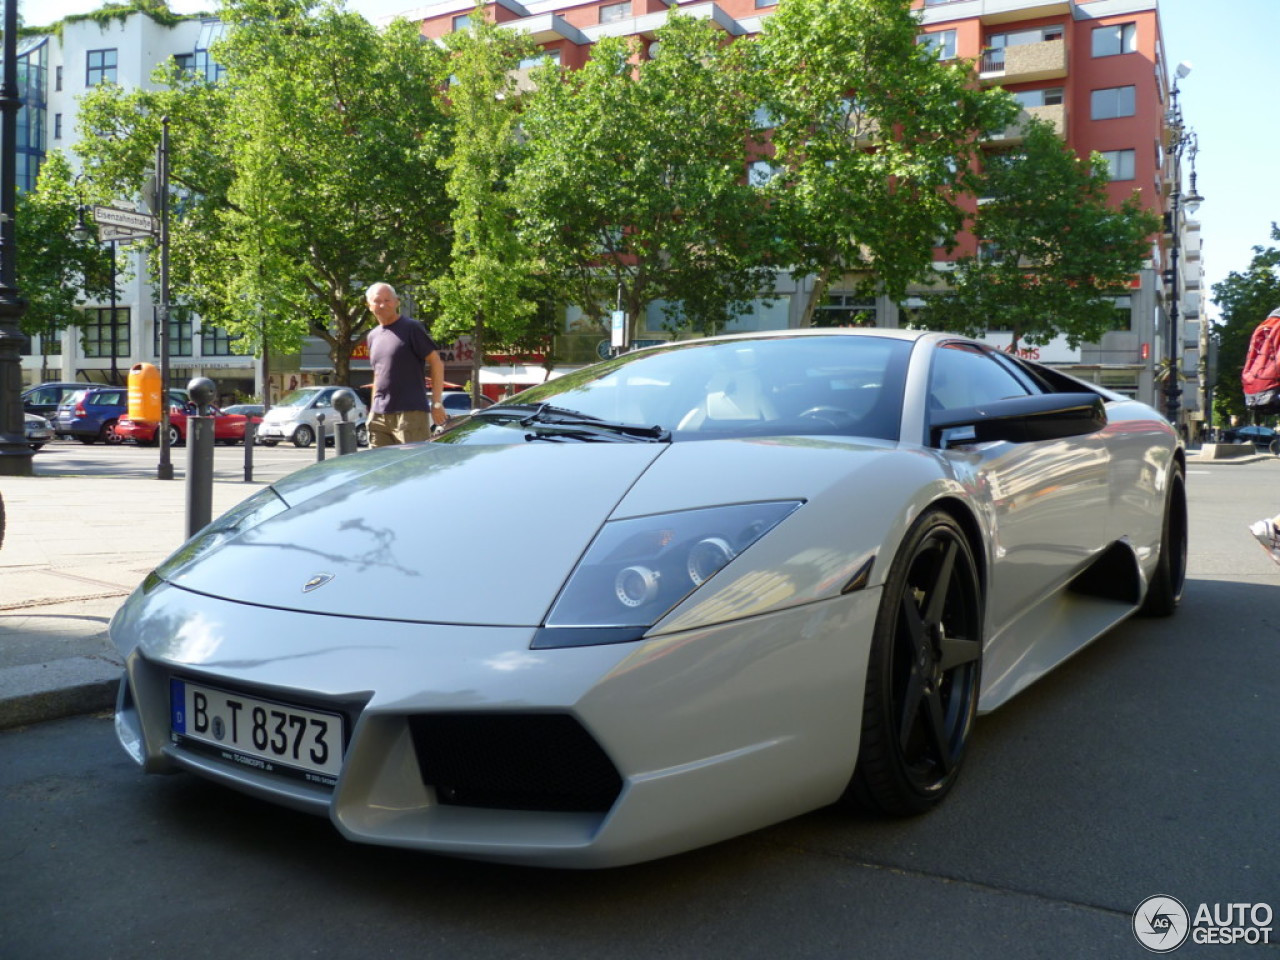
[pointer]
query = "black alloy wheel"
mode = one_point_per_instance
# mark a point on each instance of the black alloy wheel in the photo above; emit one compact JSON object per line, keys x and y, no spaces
{"x":924,"y":671}
{"x":1165,"y":589}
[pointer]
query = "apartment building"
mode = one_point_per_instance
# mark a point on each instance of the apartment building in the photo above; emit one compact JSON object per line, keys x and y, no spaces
{"x":56,"y":69}
{"x":1096,"y":69}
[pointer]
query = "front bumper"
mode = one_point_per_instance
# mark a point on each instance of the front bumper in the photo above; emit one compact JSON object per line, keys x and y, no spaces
{"x":711,"y":732}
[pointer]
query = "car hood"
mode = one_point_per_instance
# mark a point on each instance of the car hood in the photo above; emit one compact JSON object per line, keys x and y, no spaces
{"x":488,"y":535}
{"x":431,"y":533}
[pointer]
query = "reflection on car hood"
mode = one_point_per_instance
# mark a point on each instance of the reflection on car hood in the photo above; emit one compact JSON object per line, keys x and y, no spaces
{"x":446,"y":534}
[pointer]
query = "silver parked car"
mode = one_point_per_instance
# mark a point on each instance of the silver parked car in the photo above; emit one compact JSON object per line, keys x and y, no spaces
{"x":727,"y":582}
{"x":296,"y":417}
{"x":38,"y":431}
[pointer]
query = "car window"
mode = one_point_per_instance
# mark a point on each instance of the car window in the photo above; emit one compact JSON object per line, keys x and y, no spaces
{"x":965,"y":376}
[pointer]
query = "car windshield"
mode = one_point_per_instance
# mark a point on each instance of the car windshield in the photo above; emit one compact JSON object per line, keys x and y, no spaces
{"x":298,"y":398}
{"x":771,"y":386}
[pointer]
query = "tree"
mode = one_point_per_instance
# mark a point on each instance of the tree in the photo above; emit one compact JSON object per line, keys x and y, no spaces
{"x":1054,"y":251}
{"x":633,"y":183}
{"x":1245,"y":299}
{"x":872,"y":138}
{"x":308,"y":173}
{"x":490,"y":289}
{"x":57,"y":271}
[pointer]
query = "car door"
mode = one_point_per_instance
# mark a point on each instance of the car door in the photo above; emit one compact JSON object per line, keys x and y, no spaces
{"x":1048,"y":499}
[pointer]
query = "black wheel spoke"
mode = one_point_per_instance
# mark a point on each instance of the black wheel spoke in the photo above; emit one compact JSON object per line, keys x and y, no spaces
{"x":958,"y":651}
{"x":937,"y":729}
{"x":938,"y":590}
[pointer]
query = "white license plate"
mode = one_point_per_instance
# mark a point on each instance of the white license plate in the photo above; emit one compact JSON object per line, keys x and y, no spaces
{"x":258,"y":734}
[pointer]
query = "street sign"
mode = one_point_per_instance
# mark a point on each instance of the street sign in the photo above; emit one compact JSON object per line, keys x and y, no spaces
{"x":130,"y":219}
{"x":107,"y":232}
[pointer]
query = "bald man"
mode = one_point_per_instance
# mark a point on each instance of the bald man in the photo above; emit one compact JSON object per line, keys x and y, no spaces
{"x":402,"y":354}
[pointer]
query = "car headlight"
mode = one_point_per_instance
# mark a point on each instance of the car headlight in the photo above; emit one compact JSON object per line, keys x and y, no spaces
{"x":637,"y":570}
{"x":262,"y":506}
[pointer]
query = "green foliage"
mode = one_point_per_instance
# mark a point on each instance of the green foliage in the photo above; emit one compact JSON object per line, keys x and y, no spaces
{"x":490,"y":287}
{"x":1055,"y":250}
{"x":872,"y":137}
{"x":1245,"y":299}
{"x":633,"y":183}
{"x":57,"y":271}
{"x":307,"y":174}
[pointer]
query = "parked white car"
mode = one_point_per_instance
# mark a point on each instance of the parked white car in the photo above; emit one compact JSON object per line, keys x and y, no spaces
{"x":296,"y":417}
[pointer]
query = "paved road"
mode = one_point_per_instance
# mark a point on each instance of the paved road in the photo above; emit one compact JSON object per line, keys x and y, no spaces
{"x":1147,"y":765}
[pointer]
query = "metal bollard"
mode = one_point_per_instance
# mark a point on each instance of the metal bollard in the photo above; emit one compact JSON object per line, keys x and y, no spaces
{"x":321,"y":437}
{"x":201,"y":390}
{"x":344,"y":438}
{"x":250,"y":435}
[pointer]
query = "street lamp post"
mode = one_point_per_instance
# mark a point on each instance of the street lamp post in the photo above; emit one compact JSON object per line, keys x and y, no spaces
{"x":15,"y":455}
{"x":1180,"y":139}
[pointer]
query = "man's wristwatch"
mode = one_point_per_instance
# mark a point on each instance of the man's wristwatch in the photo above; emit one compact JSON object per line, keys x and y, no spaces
{"x":437,"y":405}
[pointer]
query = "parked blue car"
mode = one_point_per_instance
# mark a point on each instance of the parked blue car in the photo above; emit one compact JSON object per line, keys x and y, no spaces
{"x":90,"y":415}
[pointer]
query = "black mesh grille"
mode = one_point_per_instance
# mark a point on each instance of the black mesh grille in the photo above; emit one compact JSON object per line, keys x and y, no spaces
{"x":531,"y":761}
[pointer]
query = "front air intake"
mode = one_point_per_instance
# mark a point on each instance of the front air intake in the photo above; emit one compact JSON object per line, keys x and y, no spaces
{"x":527,"y":761}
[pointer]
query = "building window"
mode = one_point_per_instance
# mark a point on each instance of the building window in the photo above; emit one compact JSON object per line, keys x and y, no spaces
{"x":1123,"y":317}
{"x":100,"y":67}
{"x":760,"y":173}
{"x":845,"y":310}
{"x":186,"y":63}
{"x":539,"y":58}
{"x":942,"y":43}
{"x":461,"y":22}
{"x":179,"y":333}
{"x":1120,"y":163}
{"x":997,"y":43}
{"x":766,"y":3}
{"x":215,"y":342}
{"x":57,"y":126}
{"x":613,"y":12}
{"x":95,"y":332}
{"x":1113,"y":40}
{"x":57,"y":77}
{"x":1048,"y":97}
{"x":1112,"y":102}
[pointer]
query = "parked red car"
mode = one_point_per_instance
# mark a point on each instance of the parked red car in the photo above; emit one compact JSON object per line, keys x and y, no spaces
{"x":227,"y":428}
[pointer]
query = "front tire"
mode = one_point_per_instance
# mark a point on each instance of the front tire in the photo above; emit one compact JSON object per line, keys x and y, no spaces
{"x":109,"y":434}
{"x":303,"y":436}
{"x":923,"y":674}
{"x":1165,"y":589}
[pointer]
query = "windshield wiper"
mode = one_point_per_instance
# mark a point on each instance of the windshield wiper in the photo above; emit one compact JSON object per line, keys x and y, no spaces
{"x":553,"y":421}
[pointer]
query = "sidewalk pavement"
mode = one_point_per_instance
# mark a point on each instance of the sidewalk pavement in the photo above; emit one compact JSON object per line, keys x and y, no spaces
{"x":78,"y":540}
{"x":79,"y":537}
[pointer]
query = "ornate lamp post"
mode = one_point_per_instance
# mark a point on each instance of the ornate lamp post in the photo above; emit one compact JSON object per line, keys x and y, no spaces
{"x":15,"y":455}
{"x":1180,"y":140}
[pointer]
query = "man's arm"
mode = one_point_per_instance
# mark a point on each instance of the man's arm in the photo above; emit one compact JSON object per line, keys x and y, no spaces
{"x":435,"y":368}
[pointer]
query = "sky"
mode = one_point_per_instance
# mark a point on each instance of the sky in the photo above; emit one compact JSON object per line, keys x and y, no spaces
{"x":1226,"y":99}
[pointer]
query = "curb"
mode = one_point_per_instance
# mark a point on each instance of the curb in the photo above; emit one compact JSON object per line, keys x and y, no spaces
{"x":38,"y":692}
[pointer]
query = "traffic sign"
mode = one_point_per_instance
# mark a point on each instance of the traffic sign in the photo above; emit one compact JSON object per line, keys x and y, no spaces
{"x":107,"y":232}
{"x":137,"y":222}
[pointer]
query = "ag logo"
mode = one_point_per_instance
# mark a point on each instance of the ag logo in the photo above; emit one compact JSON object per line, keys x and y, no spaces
{"x":1161,"y":924}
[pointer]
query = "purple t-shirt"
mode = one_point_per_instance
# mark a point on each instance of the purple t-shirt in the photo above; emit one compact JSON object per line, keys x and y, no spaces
{"x":398,"y":354}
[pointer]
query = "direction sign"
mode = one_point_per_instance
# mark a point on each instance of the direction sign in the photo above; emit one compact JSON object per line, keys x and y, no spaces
{"x":131,"y":219}
{"x":108,"y":233}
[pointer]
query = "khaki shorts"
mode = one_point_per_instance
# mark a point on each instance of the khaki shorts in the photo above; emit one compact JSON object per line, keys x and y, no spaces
{"x":388,"y":429}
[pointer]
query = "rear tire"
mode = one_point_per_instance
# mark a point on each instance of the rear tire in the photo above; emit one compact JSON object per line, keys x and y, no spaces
{"x":923,"y":673}
{"x":1165,"y":589}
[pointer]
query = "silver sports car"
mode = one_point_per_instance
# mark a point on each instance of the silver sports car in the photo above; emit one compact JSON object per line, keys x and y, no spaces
{"x":728,"y":581}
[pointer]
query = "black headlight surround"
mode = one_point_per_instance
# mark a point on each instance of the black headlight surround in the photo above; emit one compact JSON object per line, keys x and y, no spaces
{"x":638,"y":569}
